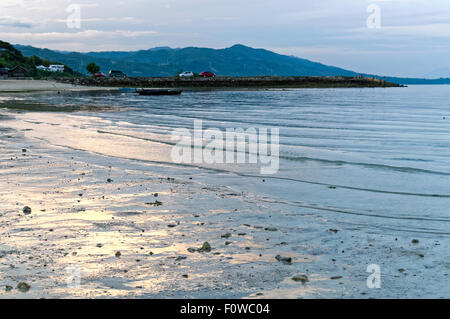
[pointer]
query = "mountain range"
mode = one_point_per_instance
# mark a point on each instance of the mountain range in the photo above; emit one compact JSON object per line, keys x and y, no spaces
{"x":238,"y":60}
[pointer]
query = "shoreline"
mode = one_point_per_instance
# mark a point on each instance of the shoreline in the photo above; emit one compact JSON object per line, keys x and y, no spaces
{"x":197,"y":84}
{"x":30,"y":86}
{"x":227,"y":83}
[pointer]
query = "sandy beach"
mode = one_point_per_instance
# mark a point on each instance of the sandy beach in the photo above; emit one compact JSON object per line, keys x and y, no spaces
{"x":14,"y":86}
{"x":111,"y":206}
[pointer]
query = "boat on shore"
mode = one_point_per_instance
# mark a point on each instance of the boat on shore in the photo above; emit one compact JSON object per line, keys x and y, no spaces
{"x":158,"y":92}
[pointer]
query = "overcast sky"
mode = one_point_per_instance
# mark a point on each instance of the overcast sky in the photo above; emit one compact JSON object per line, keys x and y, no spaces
{"x":413,"y":37}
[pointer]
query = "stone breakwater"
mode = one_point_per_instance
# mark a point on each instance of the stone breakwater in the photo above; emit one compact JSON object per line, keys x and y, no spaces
{"x":231,"y":82}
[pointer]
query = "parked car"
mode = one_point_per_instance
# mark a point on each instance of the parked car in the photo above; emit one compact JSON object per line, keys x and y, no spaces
{"x":99,"y":75}
{"x":116,"y":74}
{"x":207,"y":74}
{"x":186,"y":74}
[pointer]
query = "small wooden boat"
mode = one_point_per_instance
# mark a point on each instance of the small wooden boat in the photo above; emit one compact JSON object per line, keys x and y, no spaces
{"x":158,"y":92}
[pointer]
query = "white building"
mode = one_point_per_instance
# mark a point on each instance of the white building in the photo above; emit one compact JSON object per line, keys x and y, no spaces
{"x":51,"y":68}
{"x":42,"y":68}
{"x":56,"y":68}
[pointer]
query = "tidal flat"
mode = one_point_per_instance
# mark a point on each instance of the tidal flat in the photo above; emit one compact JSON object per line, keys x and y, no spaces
{"x":107,"y":201}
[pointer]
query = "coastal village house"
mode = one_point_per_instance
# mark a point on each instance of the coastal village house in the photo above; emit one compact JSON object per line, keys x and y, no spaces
{"x":4,"y":73}
{"x":17,"y":72}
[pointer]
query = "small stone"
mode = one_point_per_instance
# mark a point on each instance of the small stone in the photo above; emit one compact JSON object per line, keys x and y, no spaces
{"x":156,"y":203}
{"x":109,"y":180}
{"x":191,"y":250}
{"x":185,"y":276}
{"x":336,"y":277}
{"x":118,"y":254}
{"x":26,"y":210}
{"x":8,"y":288}
{"x":334,"y":230}
{"x":227,"y":235}
{"x":206,"y":247}
{"x":270,"y":229}
{"x":179,"y":258}
{"x":302,"y":278}
{"x":284,"y":260}
{"x":99,"y":245}
{"x":415,"y":241}
{"x":23,"y":287}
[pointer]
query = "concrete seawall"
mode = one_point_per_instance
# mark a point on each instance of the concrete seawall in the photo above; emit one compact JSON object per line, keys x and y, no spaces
{"x":231,"y":82}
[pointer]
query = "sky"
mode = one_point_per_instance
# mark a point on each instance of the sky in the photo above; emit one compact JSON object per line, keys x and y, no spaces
{"x":385,"y":37}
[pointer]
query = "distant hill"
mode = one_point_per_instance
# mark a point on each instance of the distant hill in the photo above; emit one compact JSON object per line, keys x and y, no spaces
{"x":439,"y":73}
{"x":238,"y":60}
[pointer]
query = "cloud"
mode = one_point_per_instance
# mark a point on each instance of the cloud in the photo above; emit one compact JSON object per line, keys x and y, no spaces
{"x":12,"y":22}
{"x":72,"y":36}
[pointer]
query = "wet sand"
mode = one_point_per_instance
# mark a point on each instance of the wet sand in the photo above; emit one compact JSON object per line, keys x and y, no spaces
{"x":14,"y":86}
{"x":88,"y":206}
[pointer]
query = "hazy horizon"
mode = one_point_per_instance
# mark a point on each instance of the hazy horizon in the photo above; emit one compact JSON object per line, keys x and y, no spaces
{"x":391,"y":37}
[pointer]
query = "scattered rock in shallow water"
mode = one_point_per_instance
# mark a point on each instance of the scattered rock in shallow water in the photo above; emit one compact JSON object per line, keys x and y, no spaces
{"x":23,"y":287}
{"x":421,"y":255}
{"x":227,"y":235}
{"x":206,"y":247}
{"x":156,"y":203}
{"x":333,"y":230}
{"x":8,"y":288}
{"x":26,"y":210}
{"x":228,"y":243}
{"x":401,"y":270}
{"x":99,"y":245}
{"x":332,"y":187}
{"x":336,"y":277}
{"x":118,"y":254}
{"x":109,"y":180}
{"x":179,"y":258}
{"x":302,"y":278}
{"x":185,"y":276}
{"x":24,"y":150}
{"x":171,"y":225}
{"x":270,"y":229}
{"x":415,"y":241}
{"x":284,"y":260}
